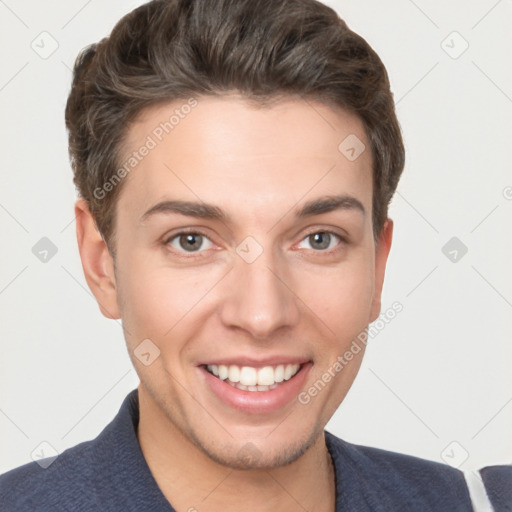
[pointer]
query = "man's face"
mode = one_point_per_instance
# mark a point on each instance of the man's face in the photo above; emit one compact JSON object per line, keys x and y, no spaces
{"x":259,"y":285}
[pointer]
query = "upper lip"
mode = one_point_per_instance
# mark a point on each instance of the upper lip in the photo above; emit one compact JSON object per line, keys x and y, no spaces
{"x":256,"y":362}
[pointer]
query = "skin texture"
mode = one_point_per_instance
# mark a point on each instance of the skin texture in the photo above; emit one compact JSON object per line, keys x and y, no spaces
{"x":259,"y":165}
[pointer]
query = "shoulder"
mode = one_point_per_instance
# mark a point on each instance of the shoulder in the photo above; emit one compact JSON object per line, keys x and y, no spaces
{"x":498,"y":484}
{"x":39,"y":486}
{"x":397,"y":480}
{"x":84,"y":477}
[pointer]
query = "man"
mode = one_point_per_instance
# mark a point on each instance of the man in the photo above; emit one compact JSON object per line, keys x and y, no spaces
{"x":235,"y":160}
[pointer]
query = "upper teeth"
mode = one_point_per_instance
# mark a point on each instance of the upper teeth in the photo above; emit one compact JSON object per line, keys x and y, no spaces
{"x":249,"y":376}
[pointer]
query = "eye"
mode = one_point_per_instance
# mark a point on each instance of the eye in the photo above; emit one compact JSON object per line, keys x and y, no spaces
{"x":189,"y":242}
{"x":321,"y":240}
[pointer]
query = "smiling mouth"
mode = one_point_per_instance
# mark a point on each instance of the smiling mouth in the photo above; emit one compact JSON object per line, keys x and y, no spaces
{"x":248,"y":378}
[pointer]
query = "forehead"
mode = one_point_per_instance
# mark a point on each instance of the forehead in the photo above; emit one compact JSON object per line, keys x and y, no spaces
{"x":228,"y":152}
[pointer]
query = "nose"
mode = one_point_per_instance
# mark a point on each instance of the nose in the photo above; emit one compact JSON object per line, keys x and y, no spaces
{"x":258,"y":298}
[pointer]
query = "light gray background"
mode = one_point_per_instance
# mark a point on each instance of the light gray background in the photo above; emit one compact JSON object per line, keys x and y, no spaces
{"x":436,"y":382}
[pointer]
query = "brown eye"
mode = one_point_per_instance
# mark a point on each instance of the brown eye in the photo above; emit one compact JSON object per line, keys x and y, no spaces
{"x":189,"y":242}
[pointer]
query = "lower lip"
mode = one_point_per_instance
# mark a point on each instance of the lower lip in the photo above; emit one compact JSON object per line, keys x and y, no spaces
{"x":257,"y":401}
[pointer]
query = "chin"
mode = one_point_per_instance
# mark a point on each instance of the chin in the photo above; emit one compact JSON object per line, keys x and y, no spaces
{"x":259,"y":453}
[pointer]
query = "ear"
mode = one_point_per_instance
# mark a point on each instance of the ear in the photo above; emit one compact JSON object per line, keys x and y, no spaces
{"x":97,"y":262}
{"x":381,"y":257}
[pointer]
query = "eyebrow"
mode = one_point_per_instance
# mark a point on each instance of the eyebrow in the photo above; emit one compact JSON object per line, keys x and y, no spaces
{"x":203,"y":210}
{"x":330,"y":203}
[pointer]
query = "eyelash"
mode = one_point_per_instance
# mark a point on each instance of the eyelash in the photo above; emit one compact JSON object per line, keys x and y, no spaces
{"x":198,"y":254}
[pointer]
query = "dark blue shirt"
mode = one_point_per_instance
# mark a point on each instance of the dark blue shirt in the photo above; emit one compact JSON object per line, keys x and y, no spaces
{"x":110,"y":474}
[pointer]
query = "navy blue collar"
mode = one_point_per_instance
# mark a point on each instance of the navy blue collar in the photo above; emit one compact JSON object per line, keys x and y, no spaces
{"x":367,"y":479}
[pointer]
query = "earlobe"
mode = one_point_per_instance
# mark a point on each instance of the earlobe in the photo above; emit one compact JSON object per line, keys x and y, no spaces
{"x":97,"y":261}
{"x":381,"y":256}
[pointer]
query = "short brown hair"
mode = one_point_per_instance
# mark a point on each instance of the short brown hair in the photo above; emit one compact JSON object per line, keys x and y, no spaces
{"x":166,"y":50}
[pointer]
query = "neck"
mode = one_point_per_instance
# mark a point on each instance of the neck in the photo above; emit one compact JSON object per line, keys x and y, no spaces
{"x":190,"y":480}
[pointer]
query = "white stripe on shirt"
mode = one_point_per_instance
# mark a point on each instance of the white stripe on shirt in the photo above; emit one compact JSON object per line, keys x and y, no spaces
{"x":477,"y":492}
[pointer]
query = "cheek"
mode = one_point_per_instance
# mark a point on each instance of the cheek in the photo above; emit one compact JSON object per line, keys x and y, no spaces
{"x":342,"y":296}
{"x":158,"y":301}
{"x":154,"y":299}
